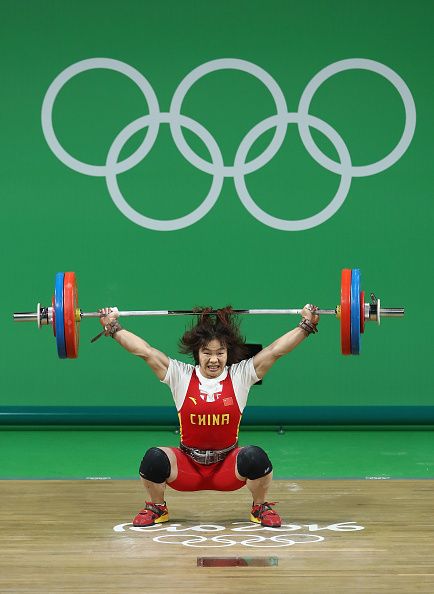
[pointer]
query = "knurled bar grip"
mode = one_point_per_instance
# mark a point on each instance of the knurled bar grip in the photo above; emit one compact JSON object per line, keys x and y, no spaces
{"x":187,"y":312}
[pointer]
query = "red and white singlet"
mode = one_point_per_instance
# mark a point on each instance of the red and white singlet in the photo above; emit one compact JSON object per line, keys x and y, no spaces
{"x":210,"y":410}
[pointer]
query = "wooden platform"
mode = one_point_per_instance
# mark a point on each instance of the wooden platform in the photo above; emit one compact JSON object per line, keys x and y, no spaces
{"x":371,"y":536}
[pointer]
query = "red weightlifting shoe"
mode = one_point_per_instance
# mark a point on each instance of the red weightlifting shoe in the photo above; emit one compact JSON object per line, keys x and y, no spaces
{"x":263,"y":514}
{"x":152,"y":513}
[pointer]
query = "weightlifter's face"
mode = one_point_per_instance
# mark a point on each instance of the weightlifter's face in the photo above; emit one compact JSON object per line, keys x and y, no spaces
{"x":212,"y":359}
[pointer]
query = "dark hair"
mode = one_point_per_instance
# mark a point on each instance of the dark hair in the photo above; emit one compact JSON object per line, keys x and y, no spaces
{"x":222,"y":325}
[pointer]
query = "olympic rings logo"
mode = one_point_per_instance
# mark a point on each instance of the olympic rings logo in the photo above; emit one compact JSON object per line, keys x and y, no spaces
{"x":253,"y":540}
{"x":200,"y":535}
{"x":241,"y":166}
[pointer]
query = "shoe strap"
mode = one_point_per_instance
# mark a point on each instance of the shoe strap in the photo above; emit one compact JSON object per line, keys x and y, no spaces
{"x":154,"y":507}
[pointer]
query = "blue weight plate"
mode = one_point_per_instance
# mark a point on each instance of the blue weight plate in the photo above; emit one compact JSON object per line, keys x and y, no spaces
{"x":58,"y":307}
{"x":355,"y":311}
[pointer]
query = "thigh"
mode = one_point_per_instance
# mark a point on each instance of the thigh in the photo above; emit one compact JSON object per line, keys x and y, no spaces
{"x":226,"y":477}
{"x":188,"y":477}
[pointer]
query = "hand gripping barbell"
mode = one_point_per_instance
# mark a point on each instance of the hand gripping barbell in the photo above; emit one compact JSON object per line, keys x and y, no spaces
{"x":65,"y":315}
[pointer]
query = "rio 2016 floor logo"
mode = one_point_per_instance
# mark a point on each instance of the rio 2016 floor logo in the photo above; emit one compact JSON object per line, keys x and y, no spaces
{"x":241,"y":167}
{"x":245,"y":534}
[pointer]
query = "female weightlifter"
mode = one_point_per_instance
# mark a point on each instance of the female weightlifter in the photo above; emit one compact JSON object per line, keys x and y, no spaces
{"x":210,"y":398}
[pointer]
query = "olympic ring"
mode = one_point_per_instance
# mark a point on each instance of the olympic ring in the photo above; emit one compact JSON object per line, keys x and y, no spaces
{"x":241,"y":167}
{"x":230,"y":64}
{"x":55,"y":88}
{"x":247,"y":540}
{"x":394,"y":79}
{"x":138,"y":218}
{"x":314,"y":220}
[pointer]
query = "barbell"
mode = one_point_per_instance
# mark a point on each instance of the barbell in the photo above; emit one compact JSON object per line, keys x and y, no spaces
{"x":65,"y":315}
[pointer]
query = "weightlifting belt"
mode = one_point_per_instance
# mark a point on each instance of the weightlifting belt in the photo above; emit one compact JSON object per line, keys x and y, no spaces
{"x":207,"y":456}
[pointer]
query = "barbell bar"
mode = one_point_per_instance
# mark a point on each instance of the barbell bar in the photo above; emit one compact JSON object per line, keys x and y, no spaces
{"x":65,"y":315}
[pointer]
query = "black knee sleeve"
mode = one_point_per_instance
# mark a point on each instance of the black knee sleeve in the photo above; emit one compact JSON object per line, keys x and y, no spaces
{"x":155,"y":466}
{"x":253,"y":463}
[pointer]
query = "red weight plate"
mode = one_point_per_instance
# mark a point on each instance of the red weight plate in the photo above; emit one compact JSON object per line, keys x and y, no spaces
{"x":346,"y":311}
{"x":53,"y":323}
{"x":362,"y":312}
{"x":70,"y":306}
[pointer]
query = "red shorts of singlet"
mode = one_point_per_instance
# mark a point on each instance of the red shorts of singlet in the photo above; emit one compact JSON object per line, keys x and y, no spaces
{"x":193,"y":476}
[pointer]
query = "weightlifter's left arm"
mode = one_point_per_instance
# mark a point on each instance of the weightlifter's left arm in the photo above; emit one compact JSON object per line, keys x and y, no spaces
{"x":266,"y":358}
{"x":157,"y":361}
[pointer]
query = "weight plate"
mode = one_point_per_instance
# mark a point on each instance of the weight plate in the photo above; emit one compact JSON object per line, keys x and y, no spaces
{"x":346,"y":311}
{"x":70,"y":306}
{"x":58,"y":308}
{"x":355,"y":311}
{"x":362,"y":312}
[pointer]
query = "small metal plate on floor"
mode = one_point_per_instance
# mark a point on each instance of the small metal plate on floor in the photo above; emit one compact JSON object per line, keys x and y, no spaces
{"x":237,"y":561}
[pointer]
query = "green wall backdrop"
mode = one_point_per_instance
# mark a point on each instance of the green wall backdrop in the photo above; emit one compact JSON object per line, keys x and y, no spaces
{"x":56,"y":218}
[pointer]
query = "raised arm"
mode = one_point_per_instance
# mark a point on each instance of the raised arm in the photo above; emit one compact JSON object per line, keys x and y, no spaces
{"x":266,"y":358}
{"x":157,"y":361}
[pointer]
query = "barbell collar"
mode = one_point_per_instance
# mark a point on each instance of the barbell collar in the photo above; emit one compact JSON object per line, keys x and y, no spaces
{"x":25,"y":316}
{"x":392,"y":312}
{"x":43,"y":316}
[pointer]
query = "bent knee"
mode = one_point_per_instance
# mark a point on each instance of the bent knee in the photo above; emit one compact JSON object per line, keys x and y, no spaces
{"x":253,"y":463}
{"x":155,"y":466}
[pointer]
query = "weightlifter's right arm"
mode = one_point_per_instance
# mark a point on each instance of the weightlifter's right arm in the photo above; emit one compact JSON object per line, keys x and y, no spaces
{"x":157,"y":361}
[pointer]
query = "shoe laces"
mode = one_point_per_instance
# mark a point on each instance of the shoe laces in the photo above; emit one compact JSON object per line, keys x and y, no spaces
{"x":265,"y":507}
